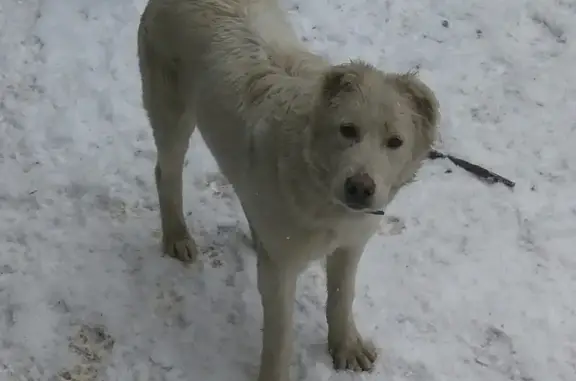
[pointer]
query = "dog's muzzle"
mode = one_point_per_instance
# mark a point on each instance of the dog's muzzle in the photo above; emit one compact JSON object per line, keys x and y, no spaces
{"x":359,"y":191}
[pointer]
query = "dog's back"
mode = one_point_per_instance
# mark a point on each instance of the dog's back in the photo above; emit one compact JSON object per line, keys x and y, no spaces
{"x":188,"y":29}
{"x":268,"y":21}
{"x":266,"y":15}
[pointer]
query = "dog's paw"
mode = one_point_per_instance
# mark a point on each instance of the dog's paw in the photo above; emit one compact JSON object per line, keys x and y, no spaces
{"x":183,"y":249}
{"x":353,"y":354}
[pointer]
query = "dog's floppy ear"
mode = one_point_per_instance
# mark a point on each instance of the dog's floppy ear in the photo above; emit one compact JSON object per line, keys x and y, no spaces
{"x":339,"y":79}
{"x":421,"y":97}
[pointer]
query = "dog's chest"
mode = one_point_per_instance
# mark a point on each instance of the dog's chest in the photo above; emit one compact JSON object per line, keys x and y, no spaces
{"x":348,"y":234}
{"x":355,"y":232}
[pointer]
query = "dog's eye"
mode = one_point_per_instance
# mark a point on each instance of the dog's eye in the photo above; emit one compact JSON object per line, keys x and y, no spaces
{"x":394,"y":142}
{"x":349,"y":131}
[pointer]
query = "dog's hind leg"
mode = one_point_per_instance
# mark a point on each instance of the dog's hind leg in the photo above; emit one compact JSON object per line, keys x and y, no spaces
{"x":172,"y":147}
{"x":345,"y":344}
{"x":172,"y":123}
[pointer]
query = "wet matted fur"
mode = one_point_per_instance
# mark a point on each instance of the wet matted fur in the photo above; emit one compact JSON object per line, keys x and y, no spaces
{"x":311,"y":149}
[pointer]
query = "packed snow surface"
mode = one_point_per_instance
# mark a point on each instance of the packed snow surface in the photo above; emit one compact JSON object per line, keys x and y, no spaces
{"x":465,"y":282}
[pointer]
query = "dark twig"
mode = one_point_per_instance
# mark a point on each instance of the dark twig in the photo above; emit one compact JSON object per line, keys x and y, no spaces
{"x":477,"y":170}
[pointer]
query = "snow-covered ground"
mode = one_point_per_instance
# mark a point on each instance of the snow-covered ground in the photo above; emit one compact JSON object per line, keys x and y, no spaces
{"x":466,"y":282}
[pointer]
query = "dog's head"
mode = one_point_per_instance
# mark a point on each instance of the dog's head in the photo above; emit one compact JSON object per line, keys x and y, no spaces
{"x":369,"y":134}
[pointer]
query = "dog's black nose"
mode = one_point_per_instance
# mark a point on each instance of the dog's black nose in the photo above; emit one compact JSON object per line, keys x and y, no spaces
{"x":359,"y":190}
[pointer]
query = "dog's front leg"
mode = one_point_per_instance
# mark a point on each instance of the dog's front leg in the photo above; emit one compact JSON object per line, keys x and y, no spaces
{"x":346,"y":346}
{"x":277,"y":286}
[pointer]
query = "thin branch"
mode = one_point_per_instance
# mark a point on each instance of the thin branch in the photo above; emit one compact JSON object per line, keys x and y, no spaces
{"x":477,"y":170}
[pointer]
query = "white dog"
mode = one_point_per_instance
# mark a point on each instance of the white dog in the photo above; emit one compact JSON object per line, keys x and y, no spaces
{"x":314,"y":151}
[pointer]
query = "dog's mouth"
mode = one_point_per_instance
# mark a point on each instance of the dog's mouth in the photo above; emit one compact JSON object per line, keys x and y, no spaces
{"x":374,"y":212}
{"x":362,"y":209}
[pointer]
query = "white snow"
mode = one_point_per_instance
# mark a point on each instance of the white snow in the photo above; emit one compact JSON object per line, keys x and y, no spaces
{"x":471,"y":282}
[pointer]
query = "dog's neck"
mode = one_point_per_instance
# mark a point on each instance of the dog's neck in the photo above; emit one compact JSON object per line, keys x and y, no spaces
{"x":306,"y":196}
